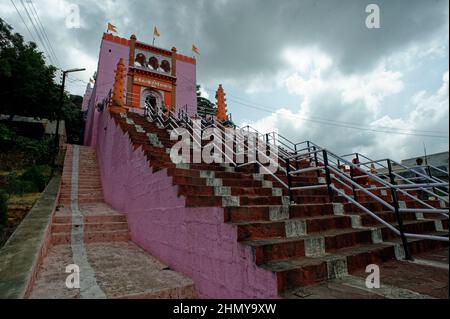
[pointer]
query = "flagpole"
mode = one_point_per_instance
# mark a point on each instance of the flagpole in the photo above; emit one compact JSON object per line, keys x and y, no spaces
{"x":425,"y":152}
{"x":153,"y":43}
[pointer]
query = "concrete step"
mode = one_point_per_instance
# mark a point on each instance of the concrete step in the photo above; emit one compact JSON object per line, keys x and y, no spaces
{"x":90,"y":227}
{"x":304,"y":271}
{"x":67,"y":219}
{"x":190,"y":190}
{"x":267,"y":213}
{"x":92,"y":237}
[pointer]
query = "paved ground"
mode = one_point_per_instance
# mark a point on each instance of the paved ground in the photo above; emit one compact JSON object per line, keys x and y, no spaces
{"x":122,"y":270}
{"x":417,"y":281}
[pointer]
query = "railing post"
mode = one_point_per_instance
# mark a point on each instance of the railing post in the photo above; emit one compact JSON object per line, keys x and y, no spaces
{"x":431,"y":176}
{"x":397,"y":212}
{"x":429,"y":171}
{"x":289,"y":180}
{"x":309,"y":150}
{"x":267,"y":145}
{"x":316,"y":160}
{"x":352,"y":175}
{"x":328,"y":175}
{"x":297,"y":167}
{"x":256,"y":167}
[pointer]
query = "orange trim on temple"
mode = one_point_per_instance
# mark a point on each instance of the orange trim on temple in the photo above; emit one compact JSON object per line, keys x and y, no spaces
{"x":153,"y":49}
{"x":187,"y":59}
{"x":116,"y":39}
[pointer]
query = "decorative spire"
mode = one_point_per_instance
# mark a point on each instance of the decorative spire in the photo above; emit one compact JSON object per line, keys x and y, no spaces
{"x":221,"y":105}
{"x":118,"y":97}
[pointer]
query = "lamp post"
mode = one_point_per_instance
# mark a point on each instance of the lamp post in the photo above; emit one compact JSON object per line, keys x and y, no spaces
{"x":58,"y":112}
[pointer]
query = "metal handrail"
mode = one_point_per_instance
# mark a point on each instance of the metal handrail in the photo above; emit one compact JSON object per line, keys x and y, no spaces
{"x":405,"y":168}
{"x":187,"y":119}
{"x":330,"y":163}
{"x":387,"y":184}
{"x":407,"y":180}
{"x":334,"y":173}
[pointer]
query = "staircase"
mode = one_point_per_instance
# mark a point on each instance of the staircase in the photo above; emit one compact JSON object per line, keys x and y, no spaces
{"x":88,"y":233}
{"x":305,"y":242}
{"x":101,"y":223}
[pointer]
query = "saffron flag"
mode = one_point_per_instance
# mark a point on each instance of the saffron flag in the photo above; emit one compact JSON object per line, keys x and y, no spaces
{"x":112,"y":28}
{"x":195,"y":49}
{"x":156,"y":32}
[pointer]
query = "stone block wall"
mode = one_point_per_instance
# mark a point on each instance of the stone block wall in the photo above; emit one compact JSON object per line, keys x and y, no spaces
{"x":193,"y":241}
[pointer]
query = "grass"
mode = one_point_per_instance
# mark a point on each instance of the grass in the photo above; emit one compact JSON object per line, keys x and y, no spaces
{"x":19,"y":203}
{"x":18,"y":208}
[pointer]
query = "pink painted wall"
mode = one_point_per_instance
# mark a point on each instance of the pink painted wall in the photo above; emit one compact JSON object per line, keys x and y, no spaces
{"x":86,"y":98}
{"x":90,"y":120}
{"x":110,"y":54}
{"x":186,"y":86}
{"x":193,"y":241}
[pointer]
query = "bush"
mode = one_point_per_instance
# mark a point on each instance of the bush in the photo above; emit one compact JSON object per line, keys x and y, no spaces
{"x":36,"y":175}
{"x":18,"y":151}
{"x":7,"y":136}
{"x":16,"y":185}
{"x":3,"y":209}
{"x":38,"y":150}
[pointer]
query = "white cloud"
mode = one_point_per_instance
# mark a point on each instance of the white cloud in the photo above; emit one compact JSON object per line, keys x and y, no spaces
{"x":307,"y":60}
{"x":429,"y":116}
{"x":333,"y":102}
{"x":315,"y":75}
{"x":204,"y":93}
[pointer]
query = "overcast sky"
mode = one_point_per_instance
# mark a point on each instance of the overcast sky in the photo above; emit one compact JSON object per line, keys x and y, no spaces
{"x":309,"y":69}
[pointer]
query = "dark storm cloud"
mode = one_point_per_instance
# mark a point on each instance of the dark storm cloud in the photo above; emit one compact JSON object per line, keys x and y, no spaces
{"x":243,"y":38}
{"x":239,"y":39}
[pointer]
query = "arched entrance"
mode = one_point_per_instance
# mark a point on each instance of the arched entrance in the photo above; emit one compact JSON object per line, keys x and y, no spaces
{"x":152,"y":98}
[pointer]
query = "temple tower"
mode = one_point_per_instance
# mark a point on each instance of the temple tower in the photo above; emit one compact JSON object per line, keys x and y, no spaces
{"x":221,"y":105}
{"x":118,"y":97}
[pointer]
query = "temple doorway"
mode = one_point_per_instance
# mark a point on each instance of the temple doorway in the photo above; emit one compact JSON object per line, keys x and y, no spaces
{"x":153,"y":99}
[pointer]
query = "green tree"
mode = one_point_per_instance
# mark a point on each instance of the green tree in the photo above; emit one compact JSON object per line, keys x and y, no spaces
{"x":73,"y":118}
{"x":27,"y":85}
{"x":204,"y":106}
{"x":3,"y":209}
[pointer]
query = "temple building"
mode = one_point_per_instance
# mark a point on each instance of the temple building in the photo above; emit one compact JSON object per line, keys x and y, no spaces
{"x":162,"y":78}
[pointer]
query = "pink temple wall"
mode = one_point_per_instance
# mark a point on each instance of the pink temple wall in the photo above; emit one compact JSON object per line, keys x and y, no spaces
{"x":193,"y":241}
{"x":86,"y":98}
{"x":88,"y":126}
{"x":186,"y":87}
{"x":110,"y":54}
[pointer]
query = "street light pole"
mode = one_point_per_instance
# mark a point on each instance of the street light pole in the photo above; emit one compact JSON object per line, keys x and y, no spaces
{"x":58,"y":112}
